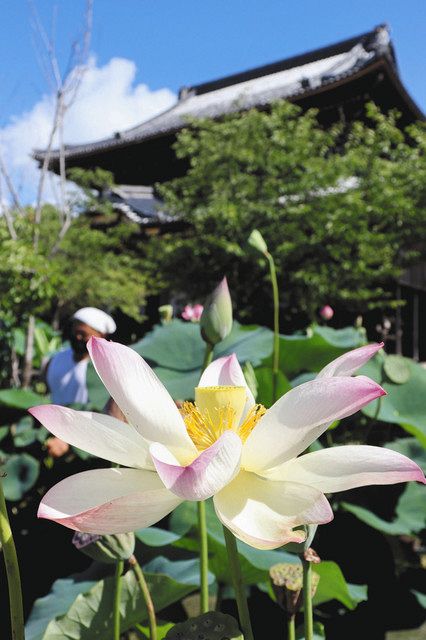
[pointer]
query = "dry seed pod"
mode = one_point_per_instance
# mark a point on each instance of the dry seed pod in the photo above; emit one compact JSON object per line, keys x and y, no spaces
{"x":287,"y":583}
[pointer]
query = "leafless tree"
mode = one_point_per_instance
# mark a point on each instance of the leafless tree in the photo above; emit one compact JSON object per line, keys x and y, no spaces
{"x":65,"y":88}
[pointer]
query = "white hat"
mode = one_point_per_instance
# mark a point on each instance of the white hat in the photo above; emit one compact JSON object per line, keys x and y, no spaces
{"x":95,"y":318}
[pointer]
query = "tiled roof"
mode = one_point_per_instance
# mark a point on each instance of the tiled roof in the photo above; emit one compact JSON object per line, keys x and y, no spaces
{"x":139,"y":204}
{"x":290,"y":78}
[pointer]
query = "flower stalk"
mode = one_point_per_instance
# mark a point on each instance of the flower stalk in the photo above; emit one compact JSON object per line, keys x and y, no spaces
{"x":238,"y":584}
{"x":257,"y":241}
{"x":12,"y":571}
{"x":152,"y":623}
{"x":307,"y":599}
{"x":291,"y":627}
{"x":204,"y":557}
{"x":202,"y":526}
{"x":117,"y":598}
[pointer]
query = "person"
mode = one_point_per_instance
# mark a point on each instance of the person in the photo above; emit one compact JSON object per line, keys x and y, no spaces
{"x":66,"y":371}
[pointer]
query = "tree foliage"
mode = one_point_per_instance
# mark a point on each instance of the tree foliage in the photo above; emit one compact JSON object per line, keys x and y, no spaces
{"x":343,"y":212}
{"x":88,"y":266}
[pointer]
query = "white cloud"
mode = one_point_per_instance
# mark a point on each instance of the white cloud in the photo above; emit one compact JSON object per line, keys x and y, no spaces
{"x":108,"y":100}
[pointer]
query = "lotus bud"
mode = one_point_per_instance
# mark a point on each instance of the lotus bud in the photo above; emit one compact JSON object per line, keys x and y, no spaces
{"x":108,"y":549}
{"x":213,"y":625}
{"x":216,"y":319}
{"x":287,"y":584}
{"x":257,"y":242}
{"x":166,"y":313}
{"x":326,"y":312}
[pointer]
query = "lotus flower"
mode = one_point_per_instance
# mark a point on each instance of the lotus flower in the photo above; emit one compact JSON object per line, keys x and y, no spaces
{"x":224,"y":446}
{"x":192,"y":313}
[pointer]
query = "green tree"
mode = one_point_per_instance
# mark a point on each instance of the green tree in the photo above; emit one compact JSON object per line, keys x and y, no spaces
{"x":88,"y":266}
{"x":343,"y":212}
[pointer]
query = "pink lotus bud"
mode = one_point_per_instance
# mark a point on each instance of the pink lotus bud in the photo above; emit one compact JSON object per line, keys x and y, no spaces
{"x":188,"y":312}
{"x":326,"y":312}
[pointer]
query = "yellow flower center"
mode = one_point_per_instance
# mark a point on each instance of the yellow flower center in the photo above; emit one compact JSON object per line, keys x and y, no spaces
{"x":216,"y":410}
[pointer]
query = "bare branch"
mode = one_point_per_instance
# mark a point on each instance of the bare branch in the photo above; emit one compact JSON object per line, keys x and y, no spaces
{"x":67,"y":88}
{"x":9,"y":183}
{"x":5,"y":211}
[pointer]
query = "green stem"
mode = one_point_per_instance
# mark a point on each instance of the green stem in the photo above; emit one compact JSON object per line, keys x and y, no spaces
{"x":117,"y":599}
{"x":238,"y":584}
{"x":291,"y":627}
{"x":307,"y":600}
{"x":152,"y":623}
{"x":202,"y":526}
{"x":12,"y":571}
{"x":276,"y":343}
{"x":204,"y":558}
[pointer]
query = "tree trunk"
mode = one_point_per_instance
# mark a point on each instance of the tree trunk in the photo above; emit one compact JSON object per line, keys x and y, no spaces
{"x":29,"y":353}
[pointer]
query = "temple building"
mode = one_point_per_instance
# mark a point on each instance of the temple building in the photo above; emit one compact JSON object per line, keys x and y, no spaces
{"x":338,"y":80}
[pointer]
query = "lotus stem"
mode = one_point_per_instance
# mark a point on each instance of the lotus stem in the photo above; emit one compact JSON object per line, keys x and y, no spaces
{"x":204,"y":558}
{"x":12,"y":571}
{"x":202,"y":526}
{"x":276,"y":340}
{"x":307,"y":599}
{"x":152,"y":623}
{"x":117,"y":598}
{"x":238,"y":584}
{"x":291,"y":627}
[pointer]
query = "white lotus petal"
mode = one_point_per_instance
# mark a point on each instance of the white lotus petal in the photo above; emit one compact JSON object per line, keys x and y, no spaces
{"x":141,"y":396}
{"x":301,"y":416}
{"x":263,"y":513}
{"x":350,"y":362}
{"x":206,"y":475}
{"x":98,"y":434}
{"x":341,"y":468}
{"x":108,"y":501}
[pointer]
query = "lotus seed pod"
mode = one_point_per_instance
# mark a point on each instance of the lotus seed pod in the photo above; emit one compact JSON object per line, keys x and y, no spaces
{"x":209,"y":626}
{"x":287,"y":583}
{"x":166,"y":313}
{"x":108,"y":549}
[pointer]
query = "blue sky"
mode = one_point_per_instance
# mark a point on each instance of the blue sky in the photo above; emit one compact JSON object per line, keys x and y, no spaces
{"x":165,"y":44}
{"x":177,"y":42}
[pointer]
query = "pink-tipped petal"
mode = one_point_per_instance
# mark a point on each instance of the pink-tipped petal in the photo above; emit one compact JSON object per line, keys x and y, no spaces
{"x":141,"y":396}
{"x":206,"y":475}
{"x":226,"y":372}
{"x":301,"y":416}
{"x":350,"y":362}
{"x":263,"y":513}
{"x":106,"y":501}
{"x":98,"y":434}
{"x":341,"y":468}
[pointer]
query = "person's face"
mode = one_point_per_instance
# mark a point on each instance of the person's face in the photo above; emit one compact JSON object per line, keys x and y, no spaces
{"x":80,"y":334}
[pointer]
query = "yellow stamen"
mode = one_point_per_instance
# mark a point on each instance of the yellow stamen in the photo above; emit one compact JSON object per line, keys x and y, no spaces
{"x":221,"y":409}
